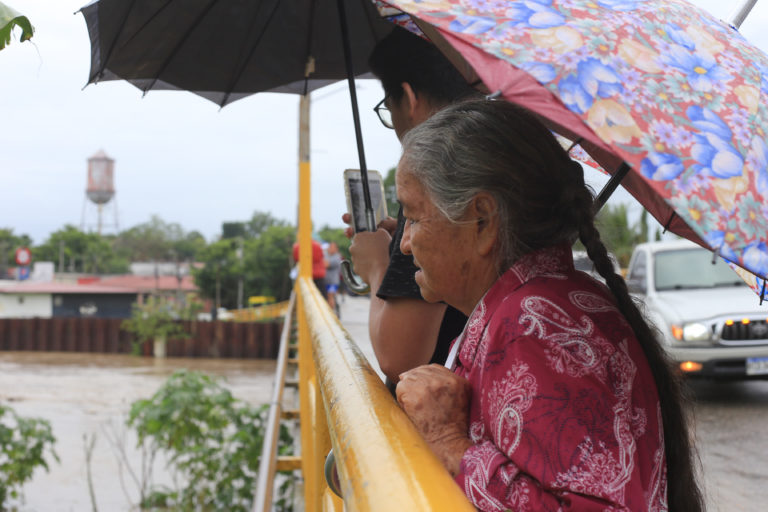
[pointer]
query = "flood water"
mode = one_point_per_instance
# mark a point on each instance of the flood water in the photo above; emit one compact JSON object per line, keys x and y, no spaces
{"x":86,"y":394}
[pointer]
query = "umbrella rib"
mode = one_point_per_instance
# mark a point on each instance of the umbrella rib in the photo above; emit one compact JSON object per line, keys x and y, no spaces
{"x":181,"y":42}
{"x":239,"y":73}
{"x":611,"y":186}
{"x":147,"y":22}
{"x":104,"y":61}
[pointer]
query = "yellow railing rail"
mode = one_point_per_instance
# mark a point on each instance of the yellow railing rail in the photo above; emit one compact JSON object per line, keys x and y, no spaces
{"x":382,"y":461}
{"x":267,"y":463}
{"x":267,"y":312}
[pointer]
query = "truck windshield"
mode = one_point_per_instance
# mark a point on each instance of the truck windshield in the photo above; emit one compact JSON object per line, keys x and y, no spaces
{"x":692,"y":268}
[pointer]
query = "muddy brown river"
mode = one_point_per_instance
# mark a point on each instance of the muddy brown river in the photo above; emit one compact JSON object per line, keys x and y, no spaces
{"x":86,"y":394}
{"x":82,"y":394}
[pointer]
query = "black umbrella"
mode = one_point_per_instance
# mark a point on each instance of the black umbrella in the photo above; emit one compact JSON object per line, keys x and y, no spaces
{"x":225,"y":50}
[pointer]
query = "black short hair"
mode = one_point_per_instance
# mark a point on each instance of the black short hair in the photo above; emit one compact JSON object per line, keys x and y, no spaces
{"x":403,"y":56}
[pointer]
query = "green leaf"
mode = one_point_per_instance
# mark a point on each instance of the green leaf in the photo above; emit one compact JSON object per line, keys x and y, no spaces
{"x":9,"y":19}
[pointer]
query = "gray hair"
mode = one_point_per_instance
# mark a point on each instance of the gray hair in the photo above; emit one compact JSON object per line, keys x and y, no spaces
{"x":505,"y":151}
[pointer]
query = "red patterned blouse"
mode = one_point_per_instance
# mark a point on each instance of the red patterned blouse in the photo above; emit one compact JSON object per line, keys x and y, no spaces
{"x":564,"y":413}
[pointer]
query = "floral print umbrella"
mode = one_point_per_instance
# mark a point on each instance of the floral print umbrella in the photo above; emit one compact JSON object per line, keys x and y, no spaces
{"x":661,"y":85}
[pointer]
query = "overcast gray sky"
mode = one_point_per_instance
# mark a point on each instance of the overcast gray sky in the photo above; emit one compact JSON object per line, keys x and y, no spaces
{"x":177,"y":155}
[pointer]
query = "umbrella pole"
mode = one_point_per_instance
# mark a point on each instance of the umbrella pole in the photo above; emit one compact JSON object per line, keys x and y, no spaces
{"x":741,"y":13}
{"x":370,"y":220}
{"x":611,"y":186}
{"x":369,"y":217}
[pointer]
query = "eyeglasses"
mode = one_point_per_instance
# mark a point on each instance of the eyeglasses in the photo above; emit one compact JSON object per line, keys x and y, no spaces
{"x":385,"y":116}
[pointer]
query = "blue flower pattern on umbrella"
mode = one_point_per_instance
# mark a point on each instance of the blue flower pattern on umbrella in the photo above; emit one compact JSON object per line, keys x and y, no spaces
{"x":712,"y":150}
{"x":756,"y":256}
{"x":662,"y":166}
{"x":695,"y":90}
{"x":701,"y":70}
{"x":534,"y":13}
{"x":592,"y":79}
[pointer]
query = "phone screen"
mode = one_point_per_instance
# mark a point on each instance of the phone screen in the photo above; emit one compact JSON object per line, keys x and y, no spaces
{"x":356,"y":203}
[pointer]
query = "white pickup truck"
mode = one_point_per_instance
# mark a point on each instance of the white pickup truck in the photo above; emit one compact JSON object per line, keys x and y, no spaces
{"x":712,"y":323}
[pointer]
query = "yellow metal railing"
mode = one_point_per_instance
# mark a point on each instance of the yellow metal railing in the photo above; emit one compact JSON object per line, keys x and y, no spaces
{"x":267,"y":312}
{"x":382,"y":461}
{"x":268,"y":461}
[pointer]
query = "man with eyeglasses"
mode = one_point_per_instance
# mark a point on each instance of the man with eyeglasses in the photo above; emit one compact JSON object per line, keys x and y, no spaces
{"x":405,"y":330}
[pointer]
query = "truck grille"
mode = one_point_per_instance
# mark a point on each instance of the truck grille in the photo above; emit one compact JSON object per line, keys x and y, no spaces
{"x":756,"y":329}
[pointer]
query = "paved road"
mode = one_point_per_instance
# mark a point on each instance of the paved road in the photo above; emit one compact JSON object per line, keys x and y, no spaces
{"x":731,"y":421}
{"x":732,"y":437}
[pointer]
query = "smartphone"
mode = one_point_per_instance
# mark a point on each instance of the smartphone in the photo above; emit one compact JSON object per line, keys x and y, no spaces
{"x":353,"y":186}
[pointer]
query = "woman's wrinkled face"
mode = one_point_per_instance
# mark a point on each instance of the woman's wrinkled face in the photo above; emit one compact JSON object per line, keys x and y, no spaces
{"x":440,"y":248}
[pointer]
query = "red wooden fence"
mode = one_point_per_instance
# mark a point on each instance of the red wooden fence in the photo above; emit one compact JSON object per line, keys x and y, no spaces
{"x":208,"y":339}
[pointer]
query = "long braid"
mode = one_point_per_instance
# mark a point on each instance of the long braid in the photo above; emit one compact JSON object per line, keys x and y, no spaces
{"x":683,"y":493}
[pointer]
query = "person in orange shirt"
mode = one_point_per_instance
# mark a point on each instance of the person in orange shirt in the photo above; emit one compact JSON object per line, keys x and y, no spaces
{"x":318,"y":264}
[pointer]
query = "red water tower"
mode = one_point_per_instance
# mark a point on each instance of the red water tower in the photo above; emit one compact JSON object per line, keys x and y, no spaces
{"x":100,"y":190}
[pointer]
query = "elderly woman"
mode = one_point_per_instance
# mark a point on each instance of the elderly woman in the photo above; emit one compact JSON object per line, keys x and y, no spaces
{"x":560,"y":397}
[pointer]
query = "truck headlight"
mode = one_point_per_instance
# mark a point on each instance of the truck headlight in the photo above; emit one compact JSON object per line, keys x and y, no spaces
{"x":696,"y":332}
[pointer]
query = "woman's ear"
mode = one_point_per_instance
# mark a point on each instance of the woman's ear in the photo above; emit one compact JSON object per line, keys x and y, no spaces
{"x":485,"y":213}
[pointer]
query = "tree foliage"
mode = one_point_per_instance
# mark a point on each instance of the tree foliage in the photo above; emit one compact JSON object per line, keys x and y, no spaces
{"x":259,"y":223}
{"x":268,"y":262}
{"x":158,"y":317}
{"x":616,"y":232}
{"x":264,"y":267}
{"x":24,"y":445}
{"x":155,"y":240}
{"x":390,"y":192}
{"x":221,"y":271}
{"x":329,"y":234}
{"x":82,"y":252}
{"x":8,"y":245}
{"x":213,"y":442}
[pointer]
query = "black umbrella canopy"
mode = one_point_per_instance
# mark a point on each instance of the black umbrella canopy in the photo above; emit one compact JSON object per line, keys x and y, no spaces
{"x":225,"y":50}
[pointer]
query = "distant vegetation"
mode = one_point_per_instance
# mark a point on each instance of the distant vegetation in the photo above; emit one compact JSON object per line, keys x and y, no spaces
{"x":256,"y":251}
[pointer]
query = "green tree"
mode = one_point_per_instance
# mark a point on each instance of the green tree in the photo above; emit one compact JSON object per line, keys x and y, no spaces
{"x":259,"y":223}
{"x":390,"y":192}
{"x":329,"y":234}
{"x":81,"y":252}
{"x":616,"y":232}
{"x":190,"y":246}
{"x":217,"y":279}
{"x":24,"y":445}
{"x":268,"y":261}
{"x":212,"y":440}
{"x":152,"y":240}
{"x":159,"y":319}
{"x":8,"y":245}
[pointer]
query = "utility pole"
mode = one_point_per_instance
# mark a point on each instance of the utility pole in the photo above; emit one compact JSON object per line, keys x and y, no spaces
{"x":61,"y":256}
{"x":239,"y":253}
{"x":218,"y":291}
{"x":3,"y":259}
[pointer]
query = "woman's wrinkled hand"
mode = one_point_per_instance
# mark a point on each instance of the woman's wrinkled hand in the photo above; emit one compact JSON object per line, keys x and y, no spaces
{"x":370,"y":255}
{"x":437,"y":402}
